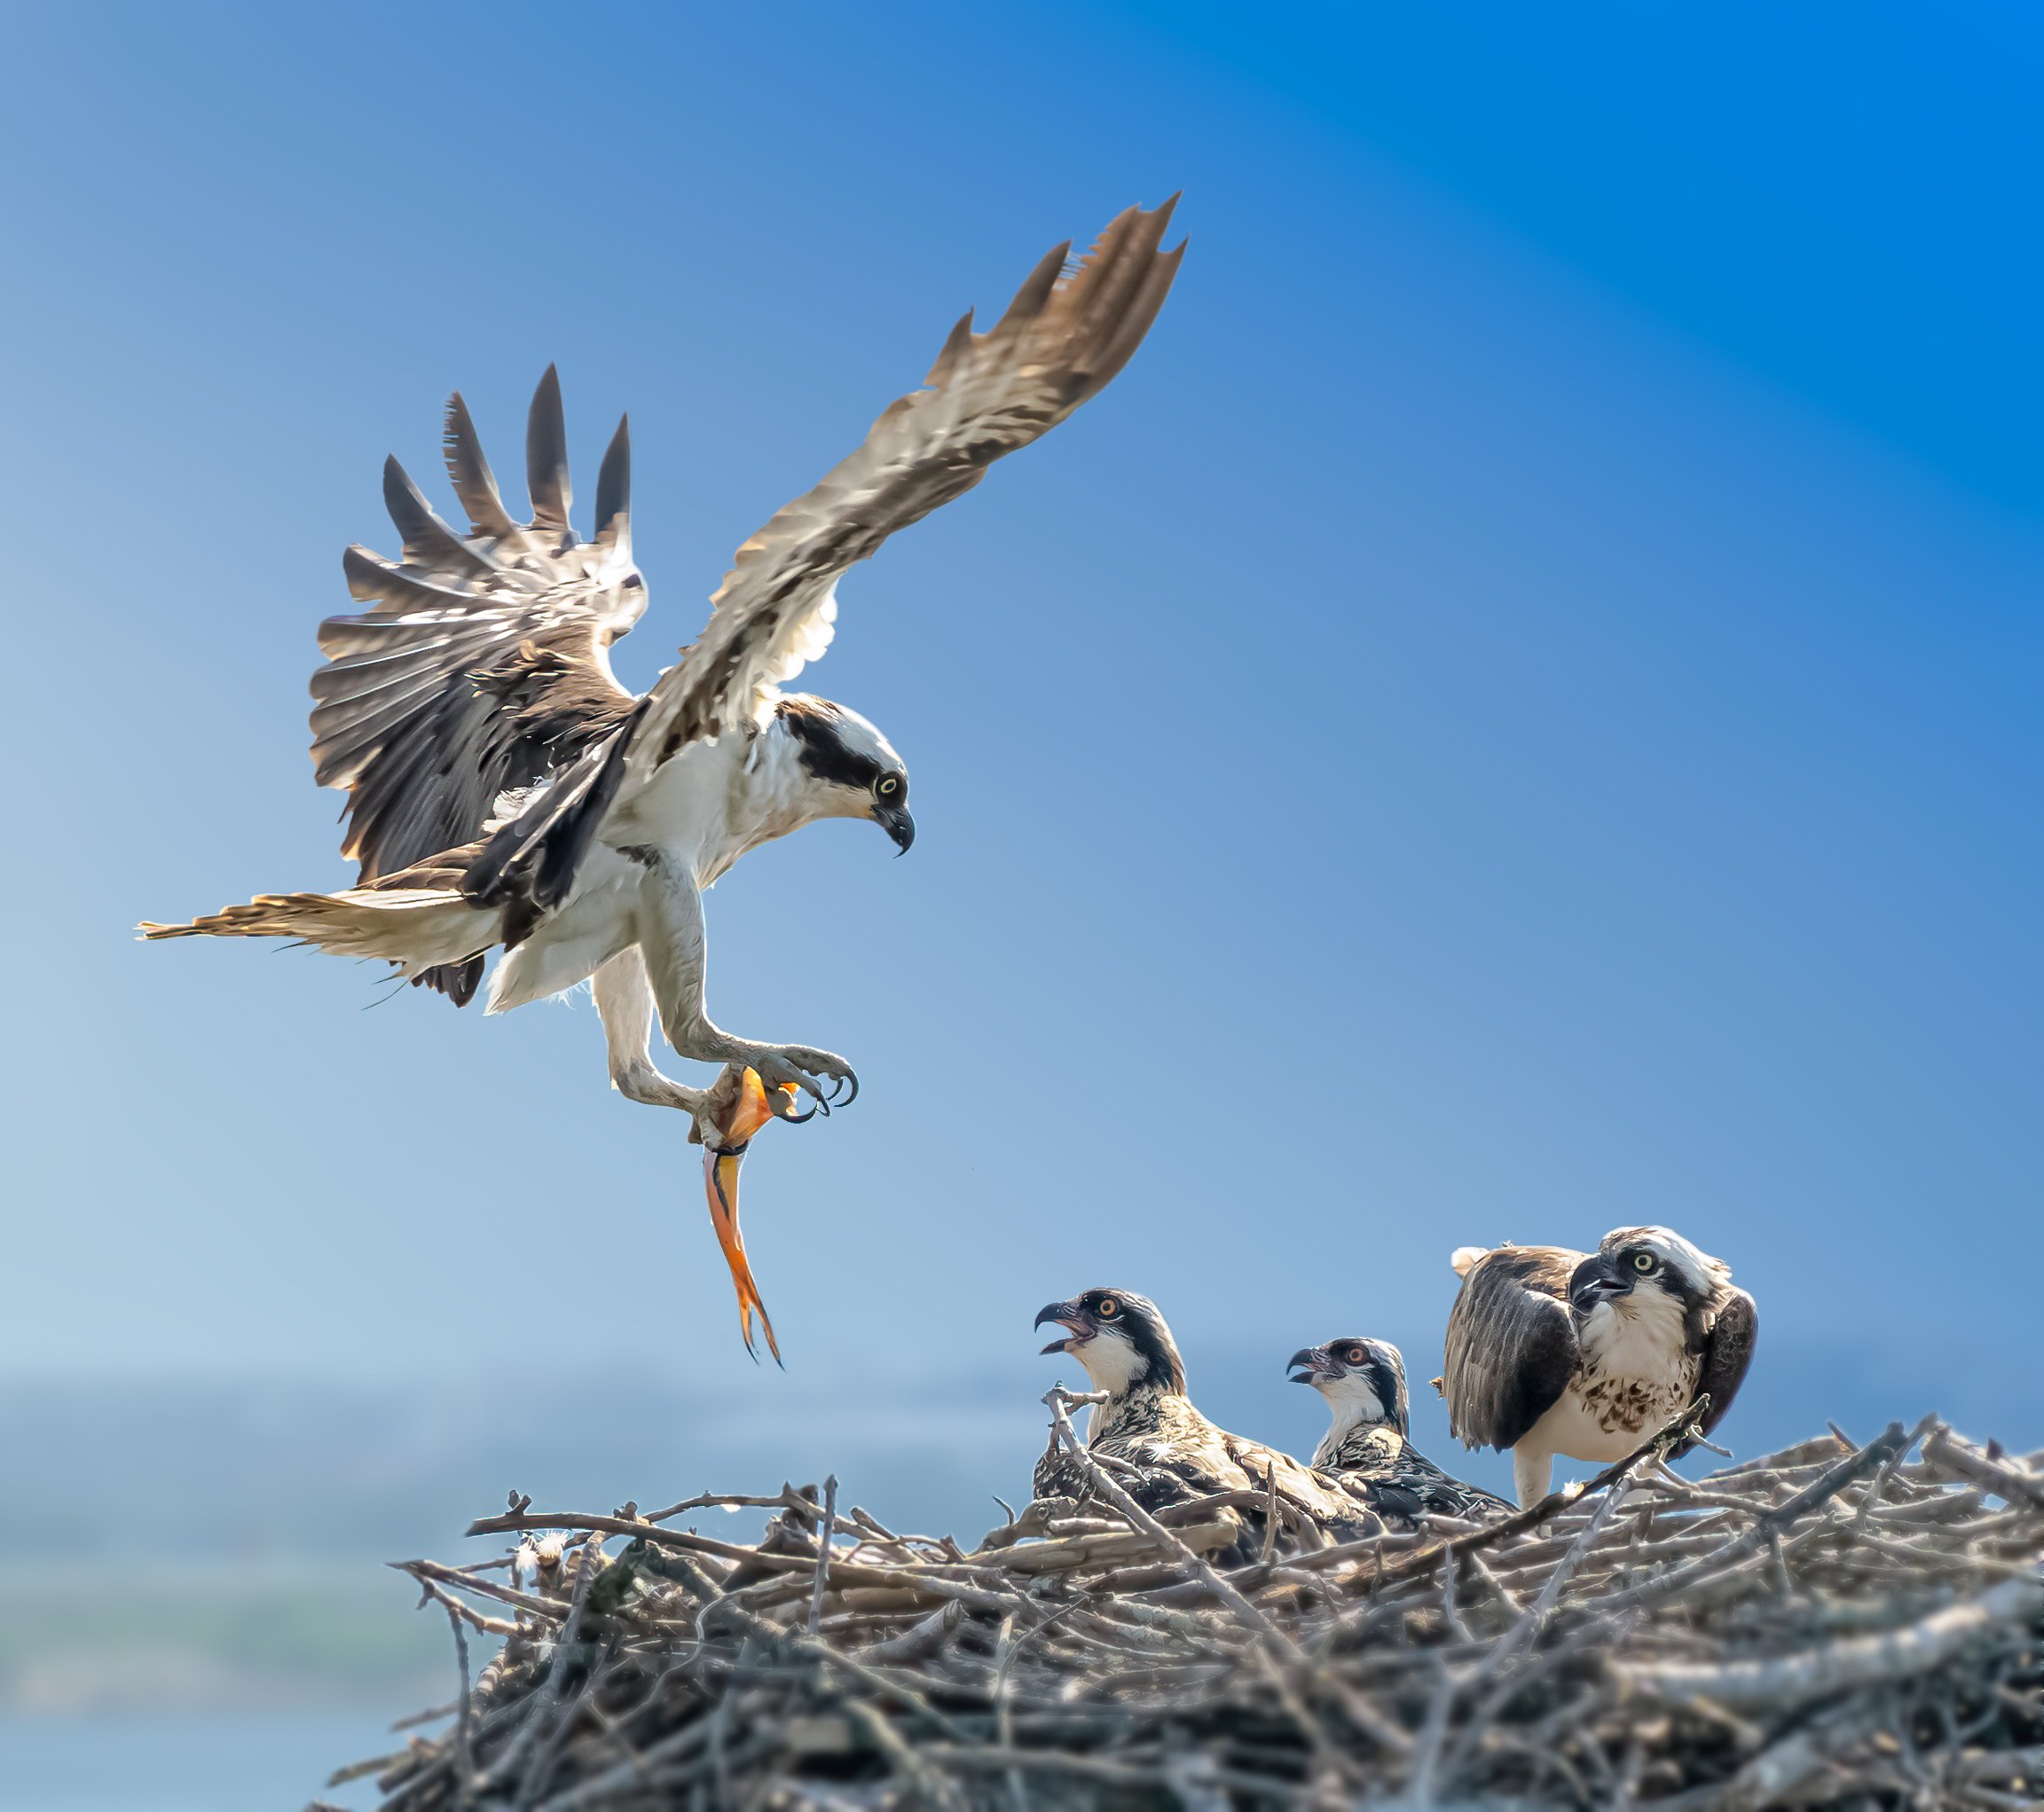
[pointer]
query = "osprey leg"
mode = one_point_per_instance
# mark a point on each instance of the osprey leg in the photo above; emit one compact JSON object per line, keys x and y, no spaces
{"x":723,"y":1117}
{"x":1531,"y":1472}
{"x":674,"y":945}
{"x":623,"y":1000}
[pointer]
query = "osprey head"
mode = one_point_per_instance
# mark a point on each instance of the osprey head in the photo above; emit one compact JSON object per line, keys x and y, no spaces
{"x":1364,"y":1381}
{"x":1120,"y":1337}
{"x":849,"y":769}
{"x":1633,"y":1258}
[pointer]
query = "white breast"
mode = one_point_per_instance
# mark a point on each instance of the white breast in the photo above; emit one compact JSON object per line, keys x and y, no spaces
{"x":1636,"y":1376}
{"x":681,"y":810}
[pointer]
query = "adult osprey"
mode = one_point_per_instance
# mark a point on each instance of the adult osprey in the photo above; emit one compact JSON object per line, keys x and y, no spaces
{"x":505,"y":791}
{"x":1366,"y":1446}
{"x":1557,"y":1352}
{"x":1169,"y":1451}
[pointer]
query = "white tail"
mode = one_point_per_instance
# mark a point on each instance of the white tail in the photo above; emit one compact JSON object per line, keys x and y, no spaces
{"x":414,"y":928}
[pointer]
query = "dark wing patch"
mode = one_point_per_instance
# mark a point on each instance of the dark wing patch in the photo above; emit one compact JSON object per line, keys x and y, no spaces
{"x":1063,"y":338}
{"x":479,"y":666}
{"x":1511,"y":1347}
{"x":1385,"y":1472}
{"x":1727,"y":1352}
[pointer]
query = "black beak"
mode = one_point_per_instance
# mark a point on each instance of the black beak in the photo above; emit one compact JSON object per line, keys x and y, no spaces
{"x":1596,"y":1278}
{"x":1068,"y":1315}
{"x":895,"y":820}
{"x":1305,"y":1365}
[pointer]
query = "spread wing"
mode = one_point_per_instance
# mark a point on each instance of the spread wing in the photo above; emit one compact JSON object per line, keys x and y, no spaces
{"x":1511,"y":1344}
{"x":480,"y":665}
{"x":1727,"y":1352}
{"x":1061,"y":339}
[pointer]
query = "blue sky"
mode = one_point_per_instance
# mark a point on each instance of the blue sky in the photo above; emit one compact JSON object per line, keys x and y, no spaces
{"x":1517,"y":714}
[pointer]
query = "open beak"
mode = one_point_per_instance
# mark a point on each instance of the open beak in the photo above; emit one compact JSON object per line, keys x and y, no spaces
{"x":1595,"y":1280}
{"x":755,"y":1106}
{"x":1308,"y":1365}
{"x":1070,"y":1315}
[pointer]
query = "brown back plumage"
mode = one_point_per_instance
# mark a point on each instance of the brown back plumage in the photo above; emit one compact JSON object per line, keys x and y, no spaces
{"x":1511,"y":1347}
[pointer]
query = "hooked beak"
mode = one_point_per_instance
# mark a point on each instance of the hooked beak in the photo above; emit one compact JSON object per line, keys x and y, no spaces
{"x":1067,"y":1314}
{"x":755,"y":1105}
{"x":1309,"y":1365}
{"x":895,"y":820}
{"x":1596,"y":1279}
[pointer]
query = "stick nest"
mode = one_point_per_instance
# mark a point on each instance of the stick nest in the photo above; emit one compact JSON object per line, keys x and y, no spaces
{"x":1832,"y":1625}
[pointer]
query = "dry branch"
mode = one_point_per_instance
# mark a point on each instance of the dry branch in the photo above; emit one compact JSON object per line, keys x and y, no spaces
{"x":1830,"y":1626}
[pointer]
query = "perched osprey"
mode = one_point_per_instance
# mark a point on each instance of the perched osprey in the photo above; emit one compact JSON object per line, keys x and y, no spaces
{"x":1557,"y":1352}
{"x":1172,"y":1452}
{"x":1365,"y":1446}
{"x":506,"y":792}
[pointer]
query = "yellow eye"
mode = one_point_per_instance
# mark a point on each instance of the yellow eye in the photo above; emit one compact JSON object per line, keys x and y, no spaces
{"x":1109,"y":1308}
{"x":1643,"y":1262}
{"x":889,"y":786}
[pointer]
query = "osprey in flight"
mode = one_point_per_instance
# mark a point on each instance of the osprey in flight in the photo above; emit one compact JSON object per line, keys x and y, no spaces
{"x":1587,"y":1353}
{"x":506,"y":792}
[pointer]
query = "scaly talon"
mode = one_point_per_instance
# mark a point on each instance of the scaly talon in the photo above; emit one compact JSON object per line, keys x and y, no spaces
{"x":826,"y":1080}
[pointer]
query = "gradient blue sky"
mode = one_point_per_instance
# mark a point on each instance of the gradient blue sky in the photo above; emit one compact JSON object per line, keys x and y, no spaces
{"x":1518,"y":713}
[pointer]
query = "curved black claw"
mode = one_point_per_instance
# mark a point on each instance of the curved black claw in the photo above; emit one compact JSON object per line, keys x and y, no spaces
{"x":782,"y":1109}
{"x":850,"y":1078}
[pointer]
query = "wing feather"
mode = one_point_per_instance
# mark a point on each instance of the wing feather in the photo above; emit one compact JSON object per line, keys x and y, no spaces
{"x":614,"y":486}
{"x":429,"y":542}
{"x":478,"y":667}
{"x":1058,"y":343}
{"x":547,"y":456}
{"x":468,"y":472}
{"x":1511,"y":1347}
{"x":1727,"y":1352}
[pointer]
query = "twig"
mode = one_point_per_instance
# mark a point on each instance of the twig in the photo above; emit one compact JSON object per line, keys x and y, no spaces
{"x":1057,"y":1400}
{"x":464,"y":1747}
{"x":1782,"y":1682}
{"x":823,"y":1552}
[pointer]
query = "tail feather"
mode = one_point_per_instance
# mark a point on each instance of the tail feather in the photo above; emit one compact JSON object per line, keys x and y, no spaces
{"x":418,"y":929}
{"x":1464,"y":1259}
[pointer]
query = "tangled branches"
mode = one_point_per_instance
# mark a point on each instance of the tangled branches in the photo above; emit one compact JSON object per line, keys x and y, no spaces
{"x":1831,"y":1624}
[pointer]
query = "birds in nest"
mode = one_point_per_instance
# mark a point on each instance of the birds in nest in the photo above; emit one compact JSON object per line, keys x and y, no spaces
{"x":1550,"y":1352}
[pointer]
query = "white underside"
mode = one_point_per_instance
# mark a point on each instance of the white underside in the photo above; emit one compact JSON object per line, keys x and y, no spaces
{"x":1636,"y":1345}
{"x":572,"y":944}
{"x":683,"y":813}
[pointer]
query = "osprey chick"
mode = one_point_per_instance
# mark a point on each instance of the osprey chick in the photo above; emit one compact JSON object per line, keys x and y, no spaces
{"x":1365,"y":1446}
{"x":1170,"y":1453}
{"x":1554,"y":1351}
{"x":506,"y":792}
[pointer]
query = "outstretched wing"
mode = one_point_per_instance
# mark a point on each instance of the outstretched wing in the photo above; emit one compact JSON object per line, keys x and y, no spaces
{"x":481,"y":664}
{"x":1727,"y":1352}
{"x":1511,"y":1344}
{"x":1061,"y":339}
